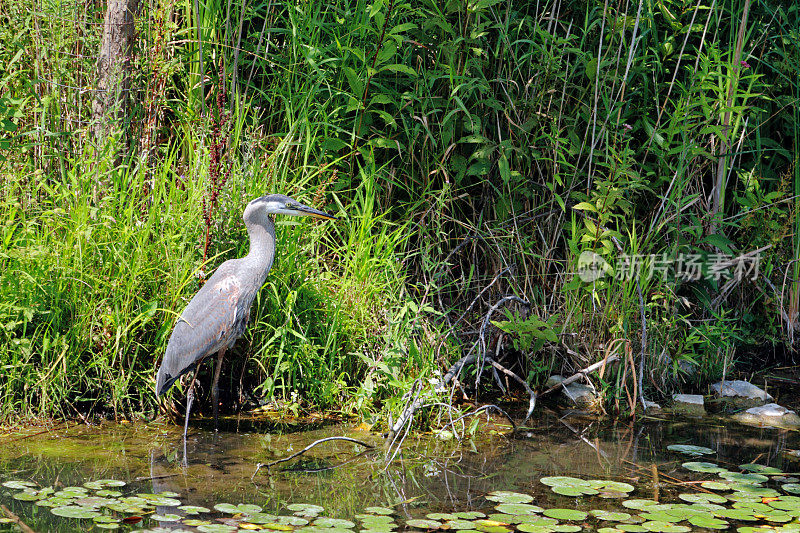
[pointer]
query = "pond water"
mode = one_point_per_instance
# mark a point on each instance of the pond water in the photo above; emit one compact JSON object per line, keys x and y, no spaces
{"x":428,"y":476}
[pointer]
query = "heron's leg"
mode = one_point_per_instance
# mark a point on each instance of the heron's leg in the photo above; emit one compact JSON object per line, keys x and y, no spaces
{"x":189,"y":402}
{"x":215,"y":388}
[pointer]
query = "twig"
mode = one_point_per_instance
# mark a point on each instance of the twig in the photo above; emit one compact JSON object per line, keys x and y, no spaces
{"x":481,"y":409}
{"x":581,"y":373}
{"x":22,"y":525}
{"x":531,"y":392}
{"x":304,"y":450}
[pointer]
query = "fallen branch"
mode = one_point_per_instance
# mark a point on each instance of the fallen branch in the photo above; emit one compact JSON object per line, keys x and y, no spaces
{"x":531,"y":393}
{"x":22,"y":525}
{"x":304,"y":450}
{"x":480,"y":410}
{"x":581,"y":373}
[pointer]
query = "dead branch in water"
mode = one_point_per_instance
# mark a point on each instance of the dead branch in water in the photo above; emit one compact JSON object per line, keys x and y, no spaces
{"x":304,"y":450}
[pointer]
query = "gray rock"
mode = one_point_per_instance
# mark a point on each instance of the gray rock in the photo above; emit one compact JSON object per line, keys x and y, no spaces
{"x":688,"y":404}
{"x":740,"y":393}
{"x":770,"y":414}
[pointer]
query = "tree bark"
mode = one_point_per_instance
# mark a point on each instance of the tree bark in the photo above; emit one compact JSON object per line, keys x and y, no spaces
{"x":112,"y":98}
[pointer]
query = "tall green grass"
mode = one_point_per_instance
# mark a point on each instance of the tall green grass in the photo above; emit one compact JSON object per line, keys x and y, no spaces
{"x":474,"y":149}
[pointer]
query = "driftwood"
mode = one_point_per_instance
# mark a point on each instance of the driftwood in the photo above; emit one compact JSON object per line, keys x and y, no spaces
{"x":582,"y":373}
{"x":22,"y":525}
{"x":259,"y":466}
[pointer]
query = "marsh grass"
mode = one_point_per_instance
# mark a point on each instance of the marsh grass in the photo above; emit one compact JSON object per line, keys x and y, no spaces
{"x":473,"y":150}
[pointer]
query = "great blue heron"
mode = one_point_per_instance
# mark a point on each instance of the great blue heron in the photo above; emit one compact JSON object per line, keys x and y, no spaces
{"x":217,"y":315}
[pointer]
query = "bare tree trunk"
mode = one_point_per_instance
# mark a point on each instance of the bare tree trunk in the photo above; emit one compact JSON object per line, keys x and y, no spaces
{"x":112,"y":98}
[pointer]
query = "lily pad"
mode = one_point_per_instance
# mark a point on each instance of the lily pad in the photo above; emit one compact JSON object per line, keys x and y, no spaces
{"x":700,"y":466}
{"x":194,"y":509}
{"x":334,"y":522}
{"x":638,"y":503}
{"x":379,"y":510}
{"x":690,"y":449}
{"x":25,"y":496}
{"x":565,"y":514}
{"x":74,"y":511}
{"x":611,"y":516}
{"x":440,"y":516}
{"x":194,"y":522}
{"x":305,"y":509}
{"x":702,"y":497}
{"x":423,"y":524}
{"x":165,"y":517}
{"x":503,"y":496}
{"x":760,"y":469}
{"x":665,"y":527}
{"x":18,"y":484}
{"x":470,"y":515}
{"x":708,"y":522}
{"x":517,"y":508}
{"x":744,"y":478}
{"x":217,"y":528}
{"x":791,"y":488}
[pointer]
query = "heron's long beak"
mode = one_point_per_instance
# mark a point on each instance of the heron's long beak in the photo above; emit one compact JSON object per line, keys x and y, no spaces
{"x":316,"y":213}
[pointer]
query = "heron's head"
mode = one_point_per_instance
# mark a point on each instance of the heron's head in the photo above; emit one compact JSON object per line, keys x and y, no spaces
{"x":278,"y":204}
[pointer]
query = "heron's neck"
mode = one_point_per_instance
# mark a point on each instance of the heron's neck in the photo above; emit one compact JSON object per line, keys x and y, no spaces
{"x":262,"y":246}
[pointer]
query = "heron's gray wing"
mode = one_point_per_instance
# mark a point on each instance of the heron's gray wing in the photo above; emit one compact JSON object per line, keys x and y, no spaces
{"x":212,"y":320}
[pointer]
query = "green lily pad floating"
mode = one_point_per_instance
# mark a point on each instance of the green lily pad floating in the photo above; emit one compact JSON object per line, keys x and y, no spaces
{"x":708,"y":468}
{"x":536,"y":528}
{"x":165,"y":517}
{"x":108,"y":493}
{"x":194,"y":522}
{"x":791,"y":488}
{"x":261,"y":518}
{"x":194,"y":509}
{"x":440,"y":516}
{"x":609,"y":530}
{"x":217,"y":528}
{"x":716,"y":485}
{"x":503,"y":496}
{"x":702,"y":497}
{"x":744,"y":478}
{"x":565,"y":514}
{"x":243,"y":508}
{"x":74,"y":511}
{"x":517,"y":508}
{"x":608,"y":485}
{"x":459,"y":524}
{"x":290,"y":520}
{"x":26,"y":496}
{"x":665,"y":527}
{"x":471,"y":515}
{"x":760,"y":469}
{"x":566,"y":528}
{"x":274,"y":526}
{"x":379,"y":510}
{"x":336,"y":523}
{"x":104,"y":484}
{"x":18,"y":484}
{"x":786,"y":503}
{"x":754,"y":490}
{"x":690,"y":449}
{"x":743,"y":515}
{"x":708,"y":522}
{"x":610,"y":516}
{"x":419,"y":523}
{"x":305,"y":509}
{"x":638,"y":503}
{"x":632,"y":528}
